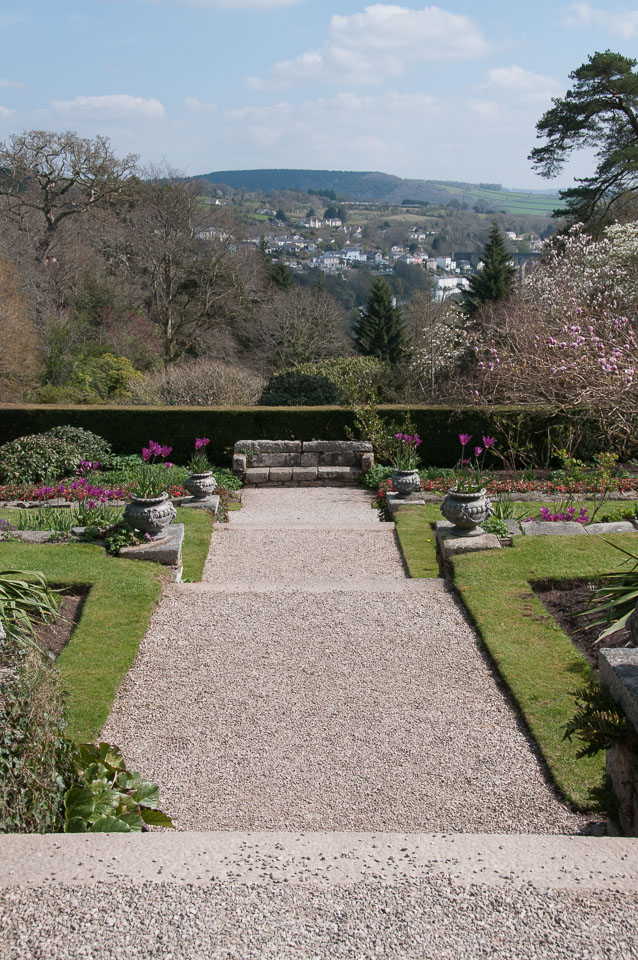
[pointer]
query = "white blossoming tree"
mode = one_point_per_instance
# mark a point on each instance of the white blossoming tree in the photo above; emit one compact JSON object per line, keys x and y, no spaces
{"x":569,"y":336}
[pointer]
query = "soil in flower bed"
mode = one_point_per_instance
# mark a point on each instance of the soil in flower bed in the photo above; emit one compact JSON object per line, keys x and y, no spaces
{"x":53,"y":637}
{"x":563,"y":600}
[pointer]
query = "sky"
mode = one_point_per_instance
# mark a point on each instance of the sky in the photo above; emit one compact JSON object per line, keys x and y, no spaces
{"x":441,"y":92}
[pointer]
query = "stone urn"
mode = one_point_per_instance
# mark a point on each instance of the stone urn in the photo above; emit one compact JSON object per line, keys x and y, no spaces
{"x":201,"y":485}
{"x":150,"y":514}
{"x":405,"y":482}
{"x":467,"y":511}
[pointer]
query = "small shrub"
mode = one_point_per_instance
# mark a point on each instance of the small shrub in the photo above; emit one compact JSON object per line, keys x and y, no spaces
{"x":293,"y":389}
{"x":497,"y":526}
{"x":89,"y":445}
{"x":357,"y":380}
{"x":37,"y":458}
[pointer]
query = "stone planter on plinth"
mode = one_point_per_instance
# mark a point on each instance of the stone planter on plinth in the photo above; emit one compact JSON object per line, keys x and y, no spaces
{"x":201,"y":485}
{"x":467,"y":511}
{"x":150,"y":514}
{"x":405,"y":482}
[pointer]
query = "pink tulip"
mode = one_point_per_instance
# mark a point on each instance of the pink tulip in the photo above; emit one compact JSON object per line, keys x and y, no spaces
{"x":464,"y":438}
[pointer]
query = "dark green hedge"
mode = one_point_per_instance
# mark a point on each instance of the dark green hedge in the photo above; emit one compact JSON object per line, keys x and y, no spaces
{"x":130,"y":428}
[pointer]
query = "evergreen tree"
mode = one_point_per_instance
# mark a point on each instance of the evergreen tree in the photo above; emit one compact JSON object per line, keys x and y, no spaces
{"x":380,"y":331}
{"x":281,"y":274}
{"x":495,"y":280}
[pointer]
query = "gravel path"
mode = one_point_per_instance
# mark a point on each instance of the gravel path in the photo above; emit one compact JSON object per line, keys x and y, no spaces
{"x":430,"y":918}
{"x":274,"y":699}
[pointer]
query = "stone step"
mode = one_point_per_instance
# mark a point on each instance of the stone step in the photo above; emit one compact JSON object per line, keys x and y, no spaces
{"x":381,"y":585}
{"x":548,"y":862}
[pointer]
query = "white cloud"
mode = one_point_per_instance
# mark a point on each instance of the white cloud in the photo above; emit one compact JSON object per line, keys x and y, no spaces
{"x":485,"y":109}
{"x":6,"y":112}
{"x":11,"y":83}
{"x":380,"y":42}
{"x":199,"y":106}
{"x":114,"y":105}
{"x":348,"y":131}
{"x":525,"y":84}
{"x":624,"y":23}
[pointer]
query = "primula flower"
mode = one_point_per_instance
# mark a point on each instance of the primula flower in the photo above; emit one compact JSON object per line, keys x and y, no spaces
{"x":464,"y":439}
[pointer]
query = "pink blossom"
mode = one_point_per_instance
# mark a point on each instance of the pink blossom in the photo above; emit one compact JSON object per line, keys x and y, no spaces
{"x":464,"y":438}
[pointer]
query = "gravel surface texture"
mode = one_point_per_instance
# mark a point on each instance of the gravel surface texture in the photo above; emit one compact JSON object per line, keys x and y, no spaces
{"x":335,"y":709}
{"x":334,"y":505}
{"x":430,"y":918}
{"x":296,"y":555}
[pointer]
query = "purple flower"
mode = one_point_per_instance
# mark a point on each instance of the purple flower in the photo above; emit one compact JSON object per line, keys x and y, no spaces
{"x":417,"y":440}
{"x":464,"y":439}
{"x":478,"y":451}
{"x":399,"y":436}
{"x":146,"y":453}
{"x":168,"y":464}
{"x":201,"y":442}
{"x":488,"y":442}
{"x":465,"y":462}
{"x":165,"y":450}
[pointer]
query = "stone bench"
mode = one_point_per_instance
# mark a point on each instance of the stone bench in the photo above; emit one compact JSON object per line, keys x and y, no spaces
{"x":294,"y":463}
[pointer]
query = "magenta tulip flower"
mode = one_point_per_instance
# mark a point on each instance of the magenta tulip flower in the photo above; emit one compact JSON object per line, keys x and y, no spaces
{"x":464,"y":438}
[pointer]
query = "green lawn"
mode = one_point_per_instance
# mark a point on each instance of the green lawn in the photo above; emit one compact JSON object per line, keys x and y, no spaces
{"x":537,"y":661}
{"x":122,"y":596}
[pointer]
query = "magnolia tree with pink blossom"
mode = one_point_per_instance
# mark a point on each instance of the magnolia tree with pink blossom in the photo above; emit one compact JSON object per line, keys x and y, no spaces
{"x":568,"y":337}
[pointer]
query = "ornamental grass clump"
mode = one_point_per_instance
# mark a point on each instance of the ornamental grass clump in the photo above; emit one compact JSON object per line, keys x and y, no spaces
{"x":150,"y":478}
{"x":198,"y":463}
{"x":469,"y":473}
{"x":404,"y":454}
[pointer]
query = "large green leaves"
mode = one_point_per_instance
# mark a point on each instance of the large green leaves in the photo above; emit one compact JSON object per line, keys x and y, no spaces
{"x":109,"y":798}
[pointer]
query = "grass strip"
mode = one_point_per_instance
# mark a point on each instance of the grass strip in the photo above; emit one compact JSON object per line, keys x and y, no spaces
{"x":115,"y":615}
{"x":535,"y":658}
{"x":417,"y":539}
{"x":198,"y":526}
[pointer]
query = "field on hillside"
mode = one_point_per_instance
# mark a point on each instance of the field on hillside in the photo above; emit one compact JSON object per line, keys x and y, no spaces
{"x":512,"y":201}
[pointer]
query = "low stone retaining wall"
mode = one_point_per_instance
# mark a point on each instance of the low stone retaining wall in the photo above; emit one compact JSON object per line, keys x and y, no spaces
{"x":619,"y":673}
{"x":296,"y":463}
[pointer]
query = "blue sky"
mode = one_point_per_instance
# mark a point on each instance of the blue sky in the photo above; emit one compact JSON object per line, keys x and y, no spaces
{"x":447,"y":92}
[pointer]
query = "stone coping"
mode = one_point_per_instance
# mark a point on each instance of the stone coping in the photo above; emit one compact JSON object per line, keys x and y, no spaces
{"x":618,"y":668}
{"x":319,"y":859}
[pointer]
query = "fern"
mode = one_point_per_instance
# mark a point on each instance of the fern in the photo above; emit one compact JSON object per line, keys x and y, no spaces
{"x":598,"y":722}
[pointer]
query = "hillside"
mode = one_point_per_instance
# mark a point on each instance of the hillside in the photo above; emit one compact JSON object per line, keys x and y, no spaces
{"x":386,"y":188}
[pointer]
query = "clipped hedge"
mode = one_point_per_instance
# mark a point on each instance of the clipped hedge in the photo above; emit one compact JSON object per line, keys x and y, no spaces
{"x":127,"y":429}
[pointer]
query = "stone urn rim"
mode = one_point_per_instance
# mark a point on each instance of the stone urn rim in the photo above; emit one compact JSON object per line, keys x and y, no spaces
{"x":467,"y":493}
{"x":205,"y":473}
{"x":158,"y":498}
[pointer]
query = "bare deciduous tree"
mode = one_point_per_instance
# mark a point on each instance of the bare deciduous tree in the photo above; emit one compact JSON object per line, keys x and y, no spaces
{"x":49,"y":177}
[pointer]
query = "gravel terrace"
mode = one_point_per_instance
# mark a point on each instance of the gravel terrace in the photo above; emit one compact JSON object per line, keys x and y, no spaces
{"x":308,"y":684}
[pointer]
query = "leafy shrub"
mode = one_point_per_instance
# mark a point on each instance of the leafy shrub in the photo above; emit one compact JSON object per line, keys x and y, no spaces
{"x":89,"y":445}
{"x":618,"y":513}
{"x":356,"y":379}
{"x":32,"y":748}
{"x":48,"y":783}
{"x":106,"y":797}
{"x":497,"y":526}
{"x":293,"y":389}
{"x":37,"y":458}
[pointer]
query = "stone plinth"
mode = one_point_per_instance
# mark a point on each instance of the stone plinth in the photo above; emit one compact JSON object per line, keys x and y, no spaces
{"x":453,"y":541}
{"x":207,"y":503}
{"x":167,"y":550}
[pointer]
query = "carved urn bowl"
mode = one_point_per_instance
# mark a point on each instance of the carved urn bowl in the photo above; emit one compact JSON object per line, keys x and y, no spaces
{"x":150,"y":514}
{"x":467,"y":511}
{"x":201,"y":485}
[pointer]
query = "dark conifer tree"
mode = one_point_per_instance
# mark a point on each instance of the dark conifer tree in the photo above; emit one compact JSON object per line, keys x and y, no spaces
{"x":380,"y":331}
{"x":495,"y":280}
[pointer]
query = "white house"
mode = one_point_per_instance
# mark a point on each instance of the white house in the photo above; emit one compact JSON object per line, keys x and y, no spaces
{"x":445,"y":263}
